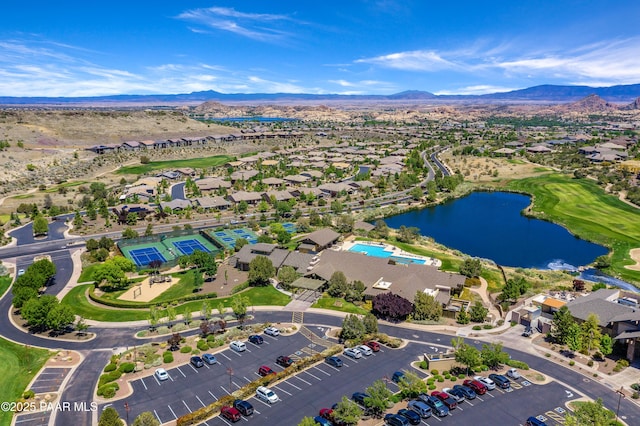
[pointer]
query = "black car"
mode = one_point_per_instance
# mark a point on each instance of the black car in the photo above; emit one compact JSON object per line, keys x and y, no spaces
{"x":359,"y":397}
{"x":197,"y":362}
{"x":466,"y":391}
{"x":500,"y":380}
{"x":243,"y":406}
{"x":255,"y":339}
{"x":334,"y":360}
{"x":395,"y":420}
{"x":412,"y":416}
{"x":457,"y":394}
{"x":284,"y":361}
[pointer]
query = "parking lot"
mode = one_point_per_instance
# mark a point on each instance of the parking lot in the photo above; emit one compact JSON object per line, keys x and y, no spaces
{"x":304,"y":394}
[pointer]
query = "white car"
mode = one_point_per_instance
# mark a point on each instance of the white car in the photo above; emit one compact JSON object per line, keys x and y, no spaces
{"x":267,"y":395}
{"x":366,"y":350}
{"x":353,"y":353}
{"x":20,"y":272}
{"x":272,"y":331}
{"x":486,"y":381}
{"x":458,"y":398}
{"x":161,"y":374}
{"x":513,"y":373}
{"x":238,"y":346}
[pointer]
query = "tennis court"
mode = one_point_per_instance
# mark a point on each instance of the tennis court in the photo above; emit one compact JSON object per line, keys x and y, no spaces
{"x":289,"y":227}
{"x":187,"y":247}
{"x":227,"y":237}
{"x":144,"y":256}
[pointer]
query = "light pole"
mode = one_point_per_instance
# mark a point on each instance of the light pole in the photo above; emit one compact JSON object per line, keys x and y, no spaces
{"x":127,"y":409}
{"x":620,"y":396}
{"x":230,"y":373}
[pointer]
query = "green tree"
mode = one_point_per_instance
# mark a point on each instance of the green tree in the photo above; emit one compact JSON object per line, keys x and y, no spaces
{"x":606,"y":344}
{"x":129,"y":233}
{"x":381,"y":229}
{"x":336,"y":206}
{"x":478,"y":312}
{"x":465,"y":354}
{"x":416,"y":193}
{"x":240,"y":242}
{"x":370,"y":323}
{"x":187,"y":315}
{"x":239,"y":304}
{"x":591,"y":414}
{"x":352,"y":328}
{"x":345,"y":223}
{"x":471,"y":267}
{"x":411,"y":385}
{"x":462,"y":317}
{"x":307,"y":421}
{"x":337,"y":284}
{"x":77,"y":221}
{"x":146,"y":419}
{"x":21,"y":294}
{"x":59,"y":317}
{"x":40,"y":225}
{"x":590,"y":333}
{"x":514,"y":288}
{"x":561,"y":324}
{"x":574,"y":337}
{"x":149,"y":230}
{"x":36,"y":310}
{"x":92,"y":213}
{"x":347,"y":412}
{"x":426,"y":307}
{"x":287,"y":275}
{"x":110,"y":417}
{"x":379,"y":398}
{"x":260,"y":270}
{"x":242,"y":207}
{"x":492,"y":355}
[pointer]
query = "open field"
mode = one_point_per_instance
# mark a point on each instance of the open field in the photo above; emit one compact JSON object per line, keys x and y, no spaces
{"x":196,"y":163}
{"x":18,"y":365}
{"x":77,"y":300}
{"x":589,"y":213}
{"x":488,"y":169}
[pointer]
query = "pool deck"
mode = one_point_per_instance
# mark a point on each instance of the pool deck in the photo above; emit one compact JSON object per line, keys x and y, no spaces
{"x":395,"y":251}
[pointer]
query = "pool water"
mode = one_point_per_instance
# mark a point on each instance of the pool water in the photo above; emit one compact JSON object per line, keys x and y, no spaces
{"x":380,"y":251}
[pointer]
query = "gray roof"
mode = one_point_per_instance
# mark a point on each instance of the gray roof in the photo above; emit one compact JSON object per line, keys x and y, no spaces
{"x":236,"y":197}
{"x":308,"y":283}
{"x":322,"y":237}
{"x":297,"y":260}
{"x":601,"y":303}
{"x":212,"y":183}
{"x":364,"y":226}
{"x":211,"y":202}
{"x":175,"y":204}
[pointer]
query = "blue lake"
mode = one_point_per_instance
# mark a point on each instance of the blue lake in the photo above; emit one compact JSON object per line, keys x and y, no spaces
{"x":490,"y":225}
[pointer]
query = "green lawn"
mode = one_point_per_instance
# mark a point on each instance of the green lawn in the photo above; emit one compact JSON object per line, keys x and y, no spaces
{"x":584,"y":209}
{"x":77,"y":300}
{"x":23,"y":196}
{"x":18,"y":365}
{"x":87,"y":273}
{"x":449,"y":262}
{"x":55,"y":188}
{"x":196,"y":163}
{"x":5,"y":282}
{"x":338,"y":304}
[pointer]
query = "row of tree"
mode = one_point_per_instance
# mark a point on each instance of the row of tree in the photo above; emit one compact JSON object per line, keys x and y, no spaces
{"x":584,"y":337}
{"x":35,"y":277}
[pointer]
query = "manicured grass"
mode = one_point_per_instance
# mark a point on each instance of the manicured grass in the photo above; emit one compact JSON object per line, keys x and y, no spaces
{"x":77,"y":300}
{"x":449,"y":263}
{"x":23,"y":196}
{"x":18,"y":365}
{"x":589,"y":213}
{"x":183,"y":287}
{"x":338,"y":304}
{"x":494,"y":278}
{"x":196,"y":163}
{"x":55,"y":188}
{"x":87,"y":273}
{"x":5,"y":282}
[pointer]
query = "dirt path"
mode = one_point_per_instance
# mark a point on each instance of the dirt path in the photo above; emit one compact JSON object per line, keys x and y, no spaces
{"x":482,"y":292}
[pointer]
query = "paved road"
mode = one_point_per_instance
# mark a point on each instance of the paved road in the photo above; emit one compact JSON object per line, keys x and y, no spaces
{"x":177,"y":191}
{"x":24,"y":234}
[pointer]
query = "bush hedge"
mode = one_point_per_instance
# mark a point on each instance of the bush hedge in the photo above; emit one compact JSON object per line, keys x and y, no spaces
{"x":116,"y":303}
{"x":517,"y":364}
{"x":109,"y":377}
{"x":110,"y":367}
{"x":108,"y":390}
{"x":185,"y":349}
{"x":127,"y":367}
{"x":203,"y":345}
{"x":167,"y":357}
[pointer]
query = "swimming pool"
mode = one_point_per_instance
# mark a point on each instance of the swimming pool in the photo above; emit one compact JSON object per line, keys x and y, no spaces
{"x":381,"y":251}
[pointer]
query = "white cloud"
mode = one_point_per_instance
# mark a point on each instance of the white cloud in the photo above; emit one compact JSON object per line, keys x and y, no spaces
{"x":416,"y":60}
{"x":479,"y":89}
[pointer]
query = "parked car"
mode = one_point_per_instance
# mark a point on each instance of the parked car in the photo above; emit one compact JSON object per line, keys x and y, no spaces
{"x":353,"y":353}
{"x":245,"y":407}
{"x":366,"y":350}
{"x":528,"y":331}
{"x":487,"y":382}
{"x":196,"y":361}
{"x":209,"y":359}
{"x":265,"y":371}
{"x":412,"y":416}
{"x":446,"y":399}
{"x":267,"y":395}
{"x":397,"y":376}
{"x":238,"y":346}
{"x":284,"y":361}
{"x":395,"y":420}
{"x":322,"y":421}
{"x":437,"y":406}
{"x":161,"y":374}
{"x":455,"y":394}
{"x":359,"y":397}
{"x":255,"y":339}
{"x":20,"y":272}
{"x":466,"y":391}
{"x":419,"y":407}
{"x":533,"y":421}
{"x":230,"y":413}
{"x":476,"y":386}
{"x":272,"y":331}
{"x":500,"y":380}
{"x":375,"y":346}
{"x":334,"y":360}
{"x":326,"y":413}
{"x":513,"y":373}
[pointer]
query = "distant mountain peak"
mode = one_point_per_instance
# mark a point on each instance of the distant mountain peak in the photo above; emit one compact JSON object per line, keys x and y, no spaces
{"x":590,"y":103}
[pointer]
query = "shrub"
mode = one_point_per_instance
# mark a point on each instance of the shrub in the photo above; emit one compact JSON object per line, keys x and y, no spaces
{"x":167,"y":357}
{"x":107,"y":391}
{"x":635,"y":395}
{"x":447,"y":376}
{"x":461,"y":376}
{"x":163,"y":329}
{"x":572,"y":363}
{"x":202,"y":345}
{"x":434,"y":372}
{"x":477,"y":327}
{"x":185,"y":349}
{"x":127,"y":367}
{"x":28,"y":394}
{"x":590,"y":363}
{"x":110,"y":367}
{"x":484,"y":367}
{"x":109,"y":377}
{"x":487,"y":326}
{"x":440,"y":379}
{"x":517,"y":364}
{"x":423,"y":365}
{"x":431,"y":380}
{"x":432,"y":387}
{"x":547,"y":355}
{"x":453,"y":378}
{"x":635,"y":386}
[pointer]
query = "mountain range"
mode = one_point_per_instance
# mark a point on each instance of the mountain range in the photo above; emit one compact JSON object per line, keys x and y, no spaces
{"x":543,"y":93}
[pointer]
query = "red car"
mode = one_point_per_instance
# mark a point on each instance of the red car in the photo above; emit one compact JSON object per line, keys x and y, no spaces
{"x":230,"y":413}
{"x":265,"y":371}
{"x":326,"y":413}
{"x":375,"y":346}
{"x":446,"y":399}
{"x":476,"y":386}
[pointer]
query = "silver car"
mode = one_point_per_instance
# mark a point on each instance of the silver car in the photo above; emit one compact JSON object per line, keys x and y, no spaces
{"x":353,"y":353}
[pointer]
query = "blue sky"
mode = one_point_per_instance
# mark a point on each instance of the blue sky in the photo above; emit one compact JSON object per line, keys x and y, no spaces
{"x":351,"y":46}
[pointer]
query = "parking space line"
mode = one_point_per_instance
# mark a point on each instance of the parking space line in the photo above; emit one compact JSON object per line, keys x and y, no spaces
{"x":245,"y":377}
{"x":480,"y":398}
{"x":425,"y":423}
{"x":224,"y":420}
{"x":489,"y":395}
{"x":302,"y":380}
{"x":437,"y":418}
{"x":322,"y":371}
{"x":292,"y":385}
{"x":467,"y":401}
{"x":259,"y":400}
{"x":315,"y":377}
{"x":200,"y":401}
{"x":157,"y":381}
{"x":192,"y":367}
{"x":169,"y":378}
{"x":157,"y":416}
{"x":228,"y":393}
{"x":174,"y":414}
{"x":237,"y":385}
{"x":178,"y":368}
{"x":282,"y":390}
{"x":459,"y":408}
{"x":143,"y":384}
{"x":208,"y":368}
{"x":212,"y":395}
{"x":185,"y":404}
{"x":222,"y":353}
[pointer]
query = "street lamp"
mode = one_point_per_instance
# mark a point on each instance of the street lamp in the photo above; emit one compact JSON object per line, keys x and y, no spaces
{"x":620,"y":396}
{"x":230,"y":373}
{"x":127,"y":409}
